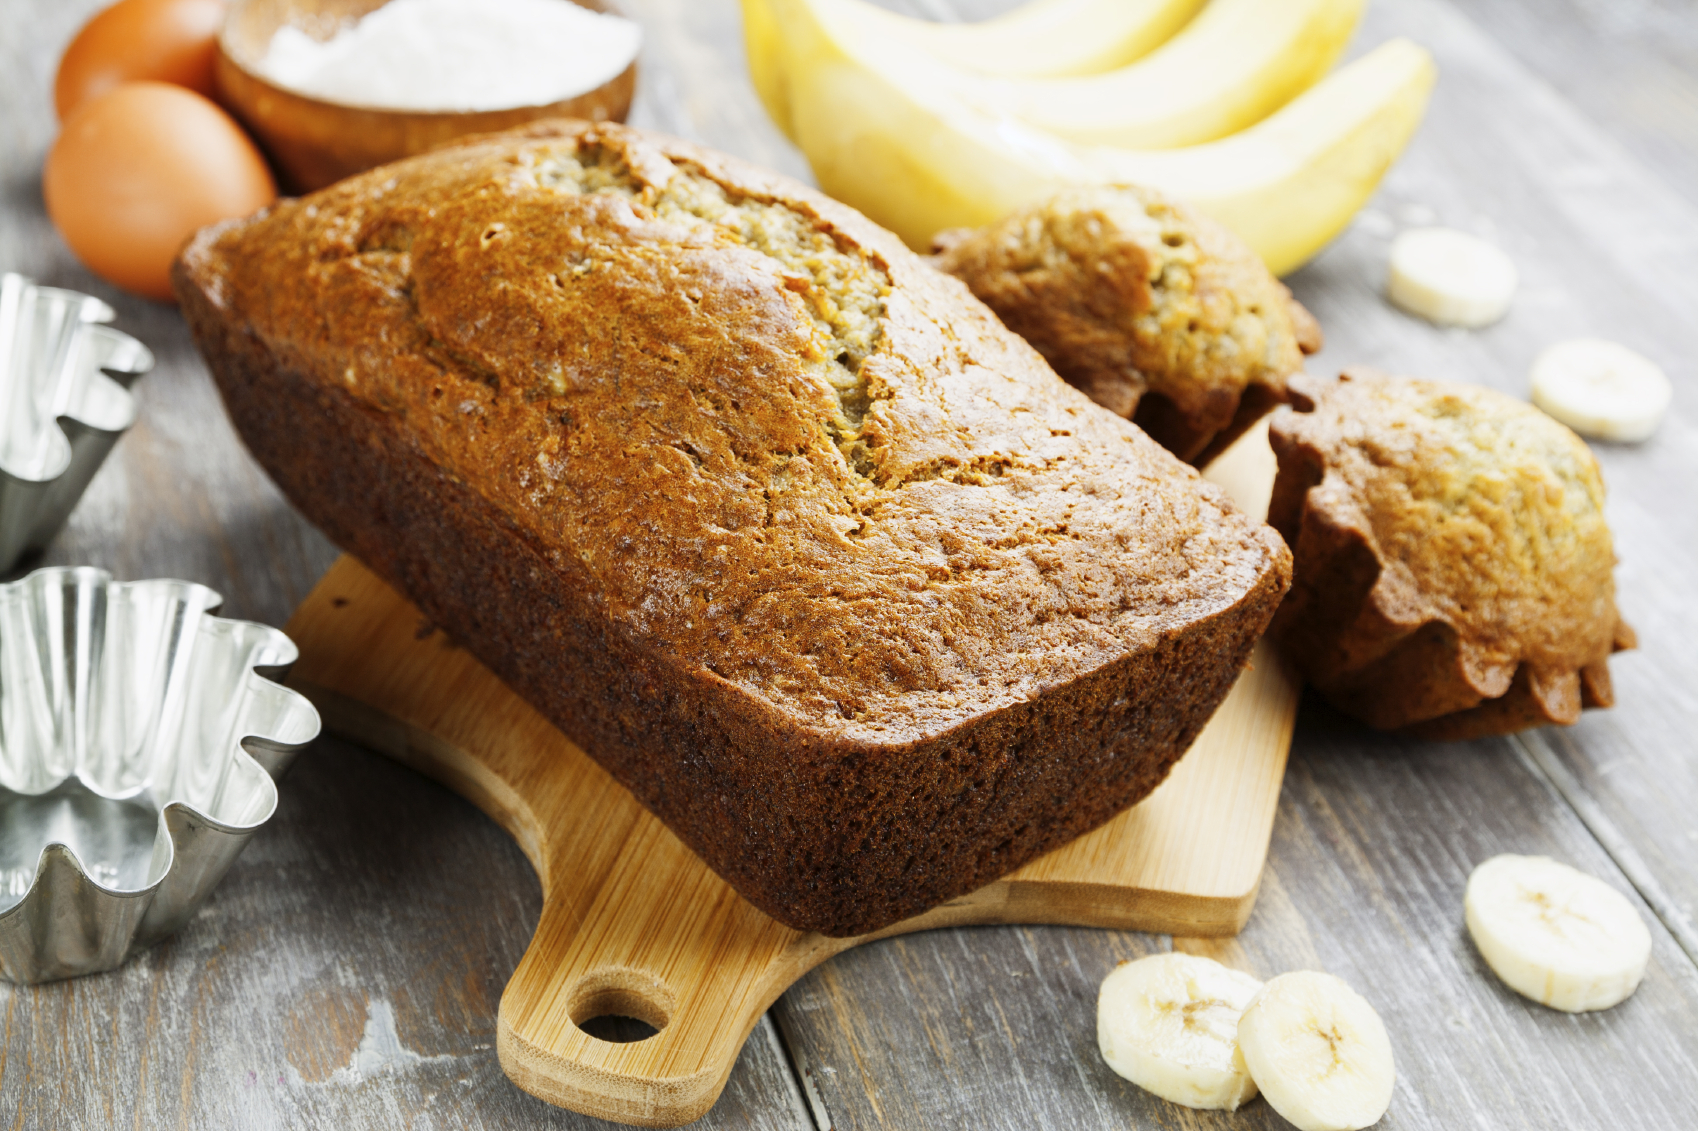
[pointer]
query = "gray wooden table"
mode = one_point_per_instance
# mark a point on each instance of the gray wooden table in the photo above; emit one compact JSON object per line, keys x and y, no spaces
{"x":347,"y":971}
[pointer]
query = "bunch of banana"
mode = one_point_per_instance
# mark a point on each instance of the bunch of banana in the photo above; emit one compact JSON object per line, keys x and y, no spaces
{"x":1041,"y":39}
{"x":1231,"y":113}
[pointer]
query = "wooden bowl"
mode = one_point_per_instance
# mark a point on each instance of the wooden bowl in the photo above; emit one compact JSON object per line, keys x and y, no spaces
{"x":314,"y":143}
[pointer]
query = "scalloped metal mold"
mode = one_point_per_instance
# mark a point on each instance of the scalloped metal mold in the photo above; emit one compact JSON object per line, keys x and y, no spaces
{"x":64,"y":401}
{"x":139,"y":739}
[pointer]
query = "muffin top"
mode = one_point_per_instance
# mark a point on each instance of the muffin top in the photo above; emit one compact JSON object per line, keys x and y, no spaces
{"x":1481,"y":514}
{"x":1154,"y":311}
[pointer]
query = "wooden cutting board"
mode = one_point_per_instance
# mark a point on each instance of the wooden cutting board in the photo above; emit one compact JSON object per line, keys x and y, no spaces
{"x":634,"y":925}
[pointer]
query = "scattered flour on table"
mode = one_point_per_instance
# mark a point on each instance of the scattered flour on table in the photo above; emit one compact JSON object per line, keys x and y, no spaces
{"x":380,"y":1048}
{"x":456,"y":55}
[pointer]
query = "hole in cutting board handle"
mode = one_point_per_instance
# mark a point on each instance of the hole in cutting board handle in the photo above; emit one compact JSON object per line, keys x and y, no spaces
{"x":621,"y":1005}
{"x":617,"y":1030}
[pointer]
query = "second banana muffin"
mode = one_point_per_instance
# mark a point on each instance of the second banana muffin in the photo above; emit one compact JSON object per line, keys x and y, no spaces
{"x":1153,"y":311}
{"x":1454,"y":572}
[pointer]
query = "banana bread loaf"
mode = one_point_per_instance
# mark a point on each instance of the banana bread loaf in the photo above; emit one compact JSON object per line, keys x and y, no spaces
{"x":777,"y":522}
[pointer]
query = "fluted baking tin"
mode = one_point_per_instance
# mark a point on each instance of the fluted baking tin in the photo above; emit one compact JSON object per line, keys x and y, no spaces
{"x":139,"y":736}
{"x":61,"y":409}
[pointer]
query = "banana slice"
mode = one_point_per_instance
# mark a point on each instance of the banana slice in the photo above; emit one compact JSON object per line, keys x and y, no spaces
{"x":1318,"y":1052}
{"x":1169,"y":1024}
{"x":1450,"y":277}
{"x":1555,"y":934}
{"x":1601,"y":389}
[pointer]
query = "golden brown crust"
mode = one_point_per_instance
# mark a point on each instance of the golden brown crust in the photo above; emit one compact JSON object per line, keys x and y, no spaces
{"x":1153,"y":311}
{"x":1453,"y":567}
{"x":778,"y":523}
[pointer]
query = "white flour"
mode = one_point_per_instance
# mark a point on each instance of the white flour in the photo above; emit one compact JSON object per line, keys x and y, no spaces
{"x":456,"y":55}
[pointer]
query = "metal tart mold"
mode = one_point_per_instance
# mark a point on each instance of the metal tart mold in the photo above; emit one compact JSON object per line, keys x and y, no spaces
{"x":139,"y":738}
{"x":64,"y":401}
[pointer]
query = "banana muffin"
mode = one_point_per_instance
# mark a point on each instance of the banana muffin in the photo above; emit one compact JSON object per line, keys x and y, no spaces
{"x":1454,"y":573}
{"x":1155,"y":312}
{"x":778,"y":523}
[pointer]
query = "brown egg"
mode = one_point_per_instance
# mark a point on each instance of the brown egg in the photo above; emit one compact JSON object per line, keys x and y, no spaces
{"x":134,"y":40}
{"x":137,"y":170}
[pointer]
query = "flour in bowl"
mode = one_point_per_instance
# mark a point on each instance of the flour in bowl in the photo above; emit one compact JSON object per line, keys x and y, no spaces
{"x":446,"y":55}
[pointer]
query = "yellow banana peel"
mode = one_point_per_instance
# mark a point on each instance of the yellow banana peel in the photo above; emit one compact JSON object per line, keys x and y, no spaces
{"x":1043,"y":39}
{"x":887,"y":136}
{"x":1040,"y":39}
{"x":1232,"y":66}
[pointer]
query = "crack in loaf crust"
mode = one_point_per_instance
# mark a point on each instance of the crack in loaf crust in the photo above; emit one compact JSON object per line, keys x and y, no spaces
{"x":823,"y":564}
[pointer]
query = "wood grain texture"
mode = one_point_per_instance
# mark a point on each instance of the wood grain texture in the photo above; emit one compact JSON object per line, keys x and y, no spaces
{"x":995,"y":1028}
{"x":375,"y":904}
{"x":1628,"y":65}
{"x":924,"y":1030}
{"x":346,"y":974}
{"x":634,"y":924}
{"x":1560,"y":127}
{"x":1605,"y":249}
